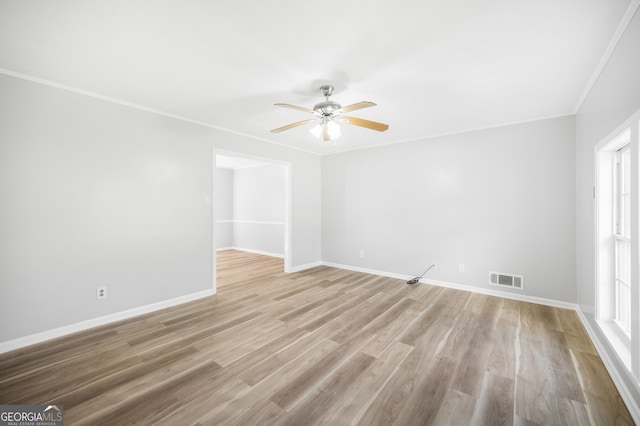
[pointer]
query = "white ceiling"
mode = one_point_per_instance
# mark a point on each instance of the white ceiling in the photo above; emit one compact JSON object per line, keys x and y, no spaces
{"x":433,"y":66}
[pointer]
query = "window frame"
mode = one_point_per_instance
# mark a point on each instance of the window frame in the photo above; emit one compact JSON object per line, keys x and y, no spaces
{"x":622,"y":236}
{"x":625,"y":343}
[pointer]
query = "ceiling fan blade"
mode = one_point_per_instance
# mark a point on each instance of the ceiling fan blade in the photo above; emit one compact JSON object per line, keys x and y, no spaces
{"x":353,"y":107}
{"x":325,"y":133}
{"x":292,"y":125}
{"x":373,"y":125}
{"x":303,"y":109}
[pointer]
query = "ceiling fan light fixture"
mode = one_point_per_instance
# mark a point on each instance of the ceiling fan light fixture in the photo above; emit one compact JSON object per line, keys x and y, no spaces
{"x":316,"y":130}
{"x":333,"y":130}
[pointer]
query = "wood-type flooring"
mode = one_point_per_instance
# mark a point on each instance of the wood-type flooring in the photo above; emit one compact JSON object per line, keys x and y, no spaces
{"x":323,"y":346}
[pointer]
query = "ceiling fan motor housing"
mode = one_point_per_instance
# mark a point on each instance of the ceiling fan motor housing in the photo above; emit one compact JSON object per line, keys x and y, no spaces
{"x":327,"y":108}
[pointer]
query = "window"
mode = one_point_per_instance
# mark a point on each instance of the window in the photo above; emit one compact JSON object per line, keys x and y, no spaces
{"x":622,"y":238}
{"x":617,"y":196}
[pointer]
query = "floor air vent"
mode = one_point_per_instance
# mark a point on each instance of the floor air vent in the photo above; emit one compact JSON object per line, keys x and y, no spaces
{"x":506,"y":280}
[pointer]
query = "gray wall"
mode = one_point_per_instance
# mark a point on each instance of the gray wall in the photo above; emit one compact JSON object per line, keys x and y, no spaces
{"x":494,"y":200}
{"x":259,"y":208}
{"x":251,"y":208}
{"x":614,"y":98}
{"x":224,"y":208}
{"x":95,"y":193}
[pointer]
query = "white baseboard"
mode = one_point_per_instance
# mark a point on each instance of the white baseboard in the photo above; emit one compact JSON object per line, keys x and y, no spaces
{"x":304,"y":267}
{"x":633,"y":405}
{"x":298,"y":268}
{"x":264,"y":253}
{"x":504,"y":294}
{"x":367,"y":271}
{"x":472,"y":289}
{"x":22,"y":342}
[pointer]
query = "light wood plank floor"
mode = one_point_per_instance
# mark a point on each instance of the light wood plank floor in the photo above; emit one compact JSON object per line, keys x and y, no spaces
{"x":324,"y":346}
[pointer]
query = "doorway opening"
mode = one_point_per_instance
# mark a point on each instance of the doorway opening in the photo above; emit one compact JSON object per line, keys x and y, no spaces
{"x":252,"y":205}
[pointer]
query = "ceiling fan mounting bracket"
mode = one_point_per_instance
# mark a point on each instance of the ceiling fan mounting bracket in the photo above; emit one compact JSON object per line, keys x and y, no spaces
{"x":327,"y":109}
{"x":327,"y":90}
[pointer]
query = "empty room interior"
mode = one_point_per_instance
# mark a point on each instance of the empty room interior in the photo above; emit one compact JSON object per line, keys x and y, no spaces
{"x":342,"y":212}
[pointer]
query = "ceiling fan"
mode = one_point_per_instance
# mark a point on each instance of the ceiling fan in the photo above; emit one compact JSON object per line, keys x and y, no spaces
{"x":327,"y":113}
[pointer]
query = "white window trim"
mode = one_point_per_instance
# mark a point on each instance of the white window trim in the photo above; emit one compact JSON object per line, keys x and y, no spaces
{"x":627,"y":347}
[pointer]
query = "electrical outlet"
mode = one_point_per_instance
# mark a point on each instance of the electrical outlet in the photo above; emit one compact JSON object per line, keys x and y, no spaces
{"x":361,"y":253}
{"x":101,"y":293}
{"x":461,"y":267}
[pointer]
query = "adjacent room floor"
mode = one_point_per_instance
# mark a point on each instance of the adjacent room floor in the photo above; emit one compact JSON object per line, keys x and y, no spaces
{"x":323,"y":346}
